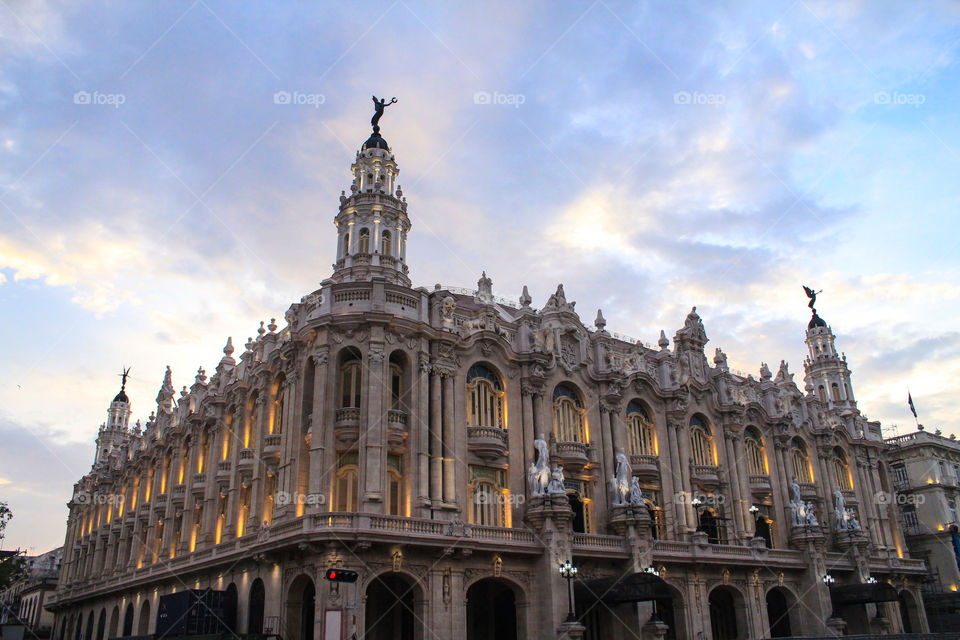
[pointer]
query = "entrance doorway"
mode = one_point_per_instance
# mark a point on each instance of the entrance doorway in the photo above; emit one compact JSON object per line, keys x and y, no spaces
{"x":392,"y":602}
{"x":484,"y":599}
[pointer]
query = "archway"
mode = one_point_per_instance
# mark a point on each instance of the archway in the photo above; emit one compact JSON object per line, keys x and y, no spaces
{"x":255,"y":607}
{"x":909,"y":614}
{"x":230,"y":617}
{"x":128,"y":621}
{"x":778,"y":613}
{"x":709,"y":525}
{"x":579,"y":523}
{"x":79,"y":626}
{"x":101,"y":624}
{"x":727,"y":619}
{"x":673,"y":613}
{"x":391,"y":611}
{"x":89,"y":634}
{"x":301,"y":609}
{"x":486,"y":596}
{"x":114,"y":622}
{"x":143,"y":628}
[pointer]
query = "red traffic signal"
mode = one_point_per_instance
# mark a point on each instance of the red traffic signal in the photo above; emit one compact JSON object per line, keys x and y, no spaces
{"x":341,"y":575}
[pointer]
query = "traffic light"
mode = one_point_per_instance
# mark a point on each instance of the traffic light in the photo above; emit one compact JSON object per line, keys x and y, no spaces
{"x":341,"y":575}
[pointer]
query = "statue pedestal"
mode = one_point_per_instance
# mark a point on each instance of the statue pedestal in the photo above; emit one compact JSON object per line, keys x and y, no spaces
{"x":544,"y":508}
{"x":700,"y":538}
{"x":836,"y":626}
{"x":845,"y":540}
{"x":570,"y":631}
{"x":623,"y":517}
{"x":655,"y":630}
{"x":802,"y":536}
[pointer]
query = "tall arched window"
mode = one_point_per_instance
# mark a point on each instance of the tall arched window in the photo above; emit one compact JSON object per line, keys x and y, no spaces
{"x":841,"y":470}
{"x":396,"y":386}
{"x":756,"y":455}
{"x":640,"y":430}
{"x":568,"y":415}
{"x":350,"y":382}
{"x":701,"y":441}
{"x":801,"y":461}
{"x":396,"y":504}
{"x":203,"y":451}
{"x":823,"y":394}
{"x":345,"y":483}
{"x":364,"y":241}
{"x":488,"y":497}
{"x":279,"y":406}
{"x":385,"y":243}
{"x":486,"y":398}
{"x":346,"y":244}
{"x":835,"y":389}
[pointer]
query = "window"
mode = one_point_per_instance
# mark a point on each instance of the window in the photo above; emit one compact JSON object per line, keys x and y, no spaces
{"x":385,"y":243}
{"x":350,"y":383}
{"x":345,"y":484}
{"x":910,"y":516}
{"x":202,"y":452}
{"x":952,"y":509}
{"x":756,"y":456}
{"x":801,"y":461}
{"x":943,"y":472}
{"x":253,"y":421}
{"x":346,"y":244}
{"x":823,"y":395}
{"x":396,"y":386}
{"x":488,"y":497}
{"x":836,"y":392}
{"x":364,"y":241}
{"x":702,"y":442}
{"x":841,"y":470}
{"x":640,"y":430}
{"x":279,"y":405}
{"x":900,"y":476}
{"x":486,"y":398}
{"x":568,"y":415}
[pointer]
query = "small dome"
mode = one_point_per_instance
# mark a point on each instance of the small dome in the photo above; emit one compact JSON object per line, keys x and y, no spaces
{"x":816,"y":321}
{"x":375,"y":141}
{"x":122,"y":397}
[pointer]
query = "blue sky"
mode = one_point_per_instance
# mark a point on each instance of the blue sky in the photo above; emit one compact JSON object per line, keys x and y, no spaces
{"x":650,"y":156}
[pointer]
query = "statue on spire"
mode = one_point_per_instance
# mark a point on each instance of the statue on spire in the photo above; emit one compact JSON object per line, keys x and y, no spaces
{"x":379,"y":106}
{"x":124,"y":376}
{"x":813,"y":297}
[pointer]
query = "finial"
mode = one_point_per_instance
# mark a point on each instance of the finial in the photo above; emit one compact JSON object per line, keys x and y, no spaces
{"x":525,"y":298}
{"x":228,"y":350}
{"x":123,"y":378}
{"x":599,"y":322}
{"x":201,"y":376}
{"x":250,"y":344}
{"x":663,"y":342}
{"x":273,"y":325}
{"x":261,"y":330}
{"x":378,"y":107}
{"x":183,"y":392}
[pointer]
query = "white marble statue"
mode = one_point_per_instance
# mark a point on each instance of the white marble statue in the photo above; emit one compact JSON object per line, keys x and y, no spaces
{"x":636,"y":494}
{"x":540,"y":468}
{"x":810,"y":516}
{"x":622,"y":479}
{"x":556,"y":487}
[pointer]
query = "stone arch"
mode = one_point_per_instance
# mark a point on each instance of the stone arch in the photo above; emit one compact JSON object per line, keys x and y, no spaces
{"x":102,"y":623}
{"x":143,"y":626}
{"x":782,"y":609}
{"x":300,"y":620}
{"x":231,"y":617}
{"x":88,"y":635}
{"x":256,"y":602}
{"x":673,"y":613}
{"x":393,"y":607}
{"x":728,"y":613}
{"x":114,"y":622}
{"x":128,"y":621}
{"x":500,"y":594}
{"x":909,"y":612}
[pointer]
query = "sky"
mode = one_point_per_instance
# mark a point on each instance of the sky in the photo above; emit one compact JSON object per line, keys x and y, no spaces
{"x":169,"y":174}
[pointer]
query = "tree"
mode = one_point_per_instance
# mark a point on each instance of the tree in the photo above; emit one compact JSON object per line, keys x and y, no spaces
{"x":13,"y":566}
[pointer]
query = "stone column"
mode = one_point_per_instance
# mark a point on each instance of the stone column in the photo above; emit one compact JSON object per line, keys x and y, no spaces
{"x":311,"y":440}
{"x":733,"y":482}
{"x":677,"y":480}
{"x":420,"y":420}
{"x":526,"y":391}
{"x":436,"y":447}
{"x":372,"y":449}
{"x":746,"y":496}
{"x":783,"y":495}
{"x":683,"y":443}
{"x":449,"y":442}
{"x":259,"y":473}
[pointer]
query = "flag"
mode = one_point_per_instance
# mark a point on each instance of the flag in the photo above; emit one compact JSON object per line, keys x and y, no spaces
{"x":913,"y":409}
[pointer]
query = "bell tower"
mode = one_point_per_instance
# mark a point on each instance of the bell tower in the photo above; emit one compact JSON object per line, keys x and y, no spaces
{"x":372,"y":223}
{"x":825,"y":370}
{"x":112,"y":433}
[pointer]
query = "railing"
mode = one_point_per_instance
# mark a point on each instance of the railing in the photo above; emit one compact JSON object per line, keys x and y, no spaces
{"x":644,"y":460}
{"x":598,"y":541}
{"x":463,"y":291}
{"x":483,"y":532}
{"x":272,"y":440}
{"x":760,"y":479}
{"x":398,"y":298}
{"x":179,"y":491}
{"x":395,"y":416}
{"x":487,"y":432}
{"x":572,"y":447}
{"x":246,"y":455}
{"x":671,"y":546}
{"x":347,"y":414}
{"x":406,"y":525}
{"x":703,"y":470}
{"x":351,"y":295}
{"x":224,"y":465}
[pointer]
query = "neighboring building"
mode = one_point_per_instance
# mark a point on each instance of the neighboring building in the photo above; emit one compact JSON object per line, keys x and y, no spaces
{"x":926,"y":475}
{"x":24,"y":602}
{"x":391,"y":430}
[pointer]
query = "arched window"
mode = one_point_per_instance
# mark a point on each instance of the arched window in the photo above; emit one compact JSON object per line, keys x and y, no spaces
{"x":701,"y":440}
{"x":385,"y":242}
{"x":345,"y":483}
{"x":640,"y":429}
{"x":756,"y":455}
{"x":279,"y":406}
{"x":346,"y":244}
{"x":350,"y":383}
{"x":569,"y":423}
{"x":202,"y":452}
{"x":486,"y":398}
{"x":396,"y":386}
{"x":823,"y":394}
{"x":841,"y":470}
{"x":835,"y":389}
{"x":396,"y":505}
{"x":364,"y":241}
{"x":801,"y":461}
{"x":488,"y":497}
{"x":233,"y":416}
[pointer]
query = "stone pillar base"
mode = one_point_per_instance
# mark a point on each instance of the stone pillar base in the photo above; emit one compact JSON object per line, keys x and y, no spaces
{"x":655,"y":630}
{"x":570,"y":631}
{"x":836,"y":626}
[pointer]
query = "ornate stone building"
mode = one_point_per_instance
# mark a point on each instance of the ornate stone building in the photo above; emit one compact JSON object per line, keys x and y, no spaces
{"x":391,"y":430}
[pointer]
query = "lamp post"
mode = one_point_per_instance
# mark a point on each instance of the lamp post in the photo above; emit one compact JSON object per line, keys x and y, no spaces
{"x":569,"y":572}
{"x":754,"y":510}
{"x":696,"y":502}
{"x":829,"y":580}
{"x":652,"y":570}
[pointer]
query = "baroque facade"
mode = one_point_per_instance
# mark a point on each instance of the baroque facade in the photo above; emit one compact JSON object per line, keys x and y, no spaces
{"x":400,"y":431}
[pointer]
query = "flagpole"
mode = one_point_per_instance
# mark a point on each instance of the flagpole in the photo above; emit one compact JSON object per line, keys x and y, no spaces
{"x":913,"y":408}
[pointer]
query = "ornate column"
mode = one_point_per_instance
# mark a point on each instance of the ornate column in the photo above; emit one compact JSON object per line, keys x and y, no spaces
{"x":421,"y":422}
{"x":310,"y":443}
{"x":449,"y":441}
{"x":733,"y":481}
{"x":436,"y":439}
{"x":526,"y":391}
{"x":746,"y":496}
{"x":782,"y":496}
{"x":676,"y":478}
{"x":683,"y":443}
{"x":372,"y":438}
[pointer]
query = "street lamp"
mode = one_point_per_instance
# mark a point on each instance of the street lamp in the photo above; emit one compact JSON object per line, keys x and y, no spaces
{"x":652,"y":570}
{"x":828,"y":580}
{"x":569,"y":572}
{"x":696,"y":502}
{"x":871,"y":580}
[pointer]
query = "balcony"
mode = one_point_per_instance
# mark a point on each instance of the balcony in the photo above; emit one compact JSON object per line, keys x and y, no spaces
{"x":271,"y":443}
{"x":760,"y":484}
{"x":645,"y":465}
{"x":245,"y":459}
{"x":573,"y":455}
{"x":396,"y":430}
{"x":160,"y":503}
{"x":808,"y":490}
{"x":179,"y":493}
{"x":224,"y":467}
{"x":489,"y":443}
{"x":346,"y":426}
{"x":706,"y":474}
{"x":199,"y":483}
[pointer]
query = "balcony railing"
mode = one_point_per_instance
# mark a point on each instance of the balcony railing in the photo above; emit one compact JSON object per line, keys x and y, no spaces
{"x":573,"y":454}
{"x":645,"y":464}
{"x":760,"y":482}
{"x":347,"y":415}
{"x":396,"y":417}
{"x":706,"y":473}
{"x":490,"y":443}
{"x":272,"y":441}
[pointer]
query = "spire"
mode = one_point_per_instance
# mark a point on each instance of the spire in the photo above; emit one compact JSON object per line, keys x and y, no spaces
{"x":372,"y":222}
{"x":825,"y":370}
